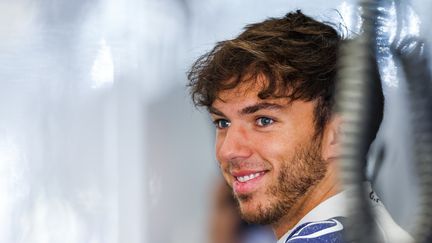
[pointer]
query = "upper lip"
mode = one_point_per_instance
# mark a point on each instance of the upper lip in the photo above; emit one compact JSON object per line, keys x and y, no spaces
{"x":239,"y":173}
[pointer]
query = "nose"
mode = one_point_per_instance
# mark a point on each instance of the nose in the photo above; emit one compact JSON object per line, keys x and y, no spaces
{"x":233,"y":144}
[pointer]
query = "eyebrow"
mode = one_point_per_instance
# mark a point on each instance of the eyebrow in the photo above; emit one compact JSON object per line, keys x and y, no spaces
{"x":260,"y":106}
{"x":215,"y":111}
{"x":249,"y":109}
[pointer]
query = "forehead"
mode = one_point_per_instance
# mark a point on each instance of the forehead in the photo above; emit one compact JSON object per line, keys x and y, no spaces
{"x":246,"y":95}
{"x":249,"y":87}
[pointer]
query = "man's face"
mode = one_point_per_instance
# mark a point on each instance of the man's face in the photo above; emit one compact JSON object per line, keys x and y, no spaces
{"x":266,"y":151}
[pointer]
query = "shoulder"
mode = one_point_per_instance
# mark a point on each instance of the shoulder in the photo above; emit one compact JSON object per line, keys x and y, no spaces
{"x":329,"y":230}
{"x":387,"y":229}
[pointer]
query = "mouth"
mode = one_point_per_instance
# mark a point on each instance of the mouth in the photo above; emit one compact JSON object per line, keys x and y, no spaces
{"x":249,"y":177}
{"x":247,"y":182}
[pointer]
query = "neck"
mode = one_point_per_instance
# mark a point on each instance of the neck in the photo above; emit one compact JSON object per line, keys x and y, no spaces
{"x":318,"y":193}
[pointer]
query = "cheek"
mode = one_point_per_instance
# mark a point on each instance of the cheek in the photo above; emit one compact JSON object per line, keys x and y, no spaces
{"x":276,"y":149}
{"x":218,"y":145}
{"x":276,"y":143}
{"x":221,"y":160}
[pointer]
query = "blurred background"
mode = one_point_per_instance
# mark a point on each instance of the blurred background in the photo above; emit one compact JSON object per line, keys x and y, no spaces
{"x":99,"y":141}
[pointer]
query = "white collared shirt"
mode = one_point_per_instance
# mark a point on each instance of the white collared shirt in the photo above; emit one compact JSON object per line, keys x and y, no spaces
{"x":336,"y":206}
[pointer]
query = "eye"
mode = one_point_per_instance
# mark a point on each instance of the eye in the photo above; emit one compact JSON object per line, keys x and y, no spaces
{"x":222,"y":123}
{"x":264,"y":121}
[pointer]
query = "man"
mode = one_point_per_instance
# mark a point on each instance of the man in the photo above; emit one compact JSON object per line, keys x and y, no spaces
{"x":270,"y":94}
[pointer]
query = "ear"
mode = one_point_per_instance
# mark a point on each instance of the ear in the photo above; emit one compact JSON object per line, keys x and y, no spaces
{"x":331,"y":140}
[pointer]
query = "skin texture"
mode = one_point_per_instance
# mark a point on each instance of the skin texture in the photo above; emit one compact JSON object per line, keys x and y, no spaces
{"x":274,"y":139}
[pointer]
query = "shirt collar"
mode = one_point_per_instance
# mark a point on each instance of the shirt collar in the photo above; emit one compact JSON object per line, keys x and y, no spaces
{"x":335,"y":206}
{"x":330,"y":208}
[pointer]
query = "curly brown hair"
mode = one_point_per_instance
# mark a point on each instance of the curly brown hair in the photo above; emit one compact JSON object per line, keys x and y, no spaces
{"x":296,"y":54}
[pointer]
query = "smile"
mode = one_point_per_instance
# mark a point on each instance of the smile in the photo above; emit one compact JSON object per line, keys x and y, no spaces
{"x":248,"y":182}
{"x":248,"y":177}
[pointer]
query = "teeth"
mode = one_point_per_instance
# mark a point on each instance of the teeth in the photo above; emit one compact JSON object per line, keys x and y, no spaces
{"x":248,"y":177}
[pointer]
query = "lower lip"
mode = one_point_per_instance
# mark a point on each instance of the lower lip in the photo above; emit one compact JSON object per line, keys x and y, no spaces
{"x":241,"y":188}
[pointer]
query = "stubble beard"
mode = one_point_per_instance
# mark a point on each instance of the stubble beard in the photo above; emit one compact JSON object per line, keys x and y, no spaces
{"x":296,"y":177}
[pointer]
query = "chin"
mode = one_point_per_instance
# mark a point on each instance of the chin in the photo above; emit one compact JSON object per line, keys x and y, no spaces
{"x":250,"y":215}
{"x":256,"y":217}
{"x":254,"y":211}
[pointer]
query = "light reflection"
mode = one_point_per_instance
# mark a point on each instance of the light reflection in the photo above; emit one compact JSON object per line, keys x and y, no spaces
{"x":391,"y":24}
{"x":396,"y":22}
{"x":346,"y":11}
{"x":102,"y":72}
{"x":51,"y":220}
{"x":389,"y":73}
{"x":413,"y":23}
